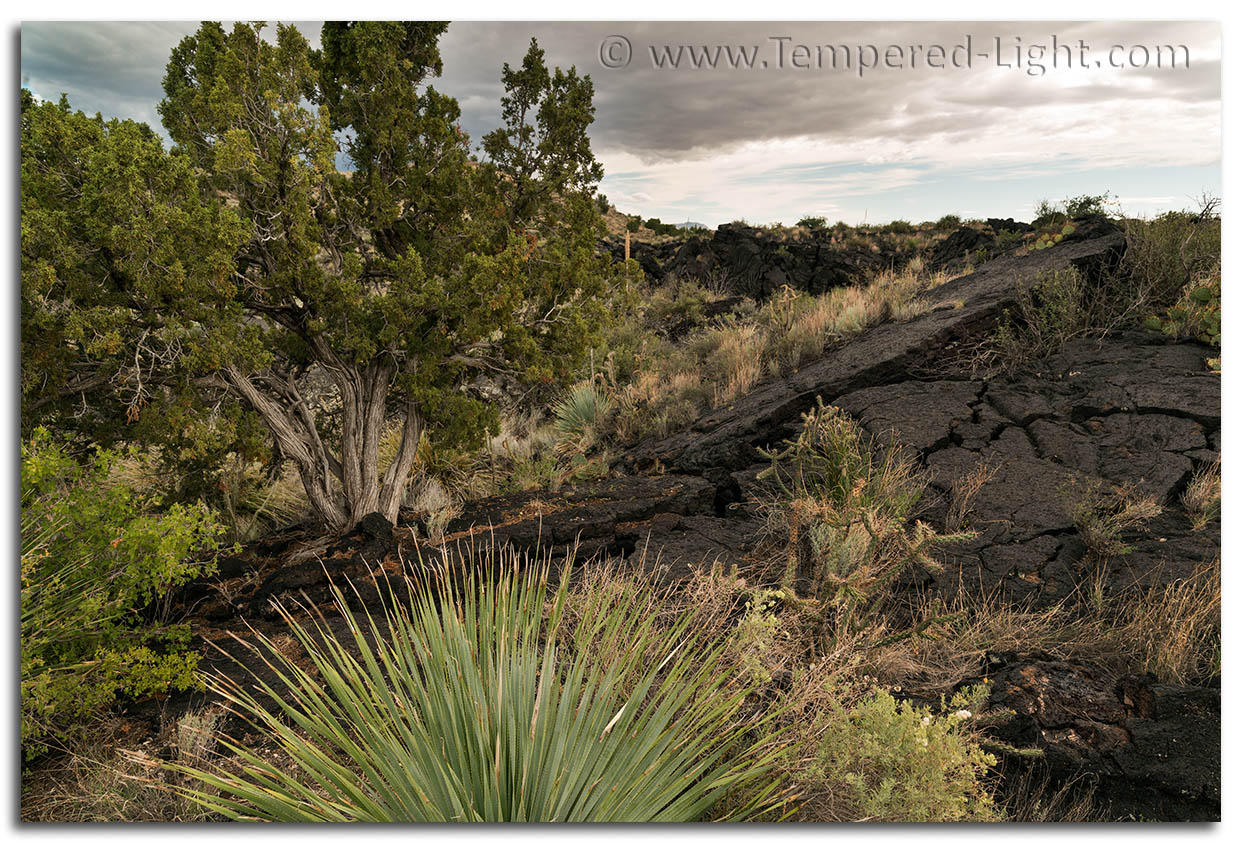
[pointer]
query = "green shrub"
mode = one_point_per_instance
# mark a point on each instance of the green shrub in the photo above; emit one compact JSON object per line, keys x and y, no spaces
{"x":633,"y":225}
{"x":1166,"y":255}
{"x":897,"y":762}
{"x":1072,"y":208}
{"x":1077,"y":207}
{"x":947,"y":222}
{"x":1048,"y":315}
{"x":658,"y":227}
{"x":813,"y":223}
{"x":95,"y":555}
{"x":601,"y":202}
{"x":899,"y":227}
{"x":476,"y":700}
{"x":1048,"y":213}
{"x":1007,"y":239}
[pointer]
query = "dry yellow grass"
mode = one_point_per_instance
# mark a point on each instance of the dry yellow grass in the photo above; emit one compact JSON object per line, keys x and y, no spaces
{"x":107,"y":777}
{"x":965,"y":489}
{"x":728,"y":359}
{"x":1172,"y":631}
{"x":1202,"y":495}
{"x":1103,"y":517}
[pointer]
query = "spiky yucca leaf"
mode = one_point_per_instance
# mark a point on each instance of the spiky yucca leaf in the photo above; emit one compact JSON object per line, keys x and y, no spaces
{"x":578,"y":415}
{"x":470,"y":702}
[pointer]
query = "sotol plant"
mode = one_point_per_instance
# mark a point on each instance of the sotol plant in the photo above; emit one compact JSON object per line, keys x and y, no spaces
{"x":475,"y":700}
{"x":578,"y":417}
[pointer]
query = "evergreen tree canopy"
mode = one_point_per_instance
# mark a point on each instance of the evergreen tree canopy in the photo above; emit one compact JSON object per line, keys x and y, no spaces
{"x":184,"y":292}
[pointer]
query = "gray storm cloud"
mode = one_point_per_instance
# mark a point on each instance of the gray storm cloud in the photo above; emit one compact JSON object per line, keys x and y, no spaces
{"x":657,"y":114}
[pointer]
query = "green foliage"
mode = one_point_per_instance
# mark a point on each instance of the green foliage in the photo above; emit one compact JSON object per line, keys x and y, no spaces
{"x":226,"y":269}
{"x":897,"y":762}
{"x":1052,"y":312}
{"x":1073,"y":208}
{"x":109,"y":219}
{"x":899,"y":227}
{"x":813,"y":223}
{"x":658,"y":227}
{"x":95,"y":558}
{"x":1077,"y":207}
{"x":633,"y":225}
{"x":1007,"y":239}
{"x":476,"y":700}
{"x":1171,"y":255}
{"x":948,"y":222}
{"x":1196,"y":314}
{"x":601,"y":203}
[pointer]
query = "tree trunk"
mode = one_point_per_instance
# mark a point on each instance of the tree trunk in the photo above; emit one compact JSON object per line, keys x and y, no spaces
{"x":359,"y":490}
{"x":297,"y":438}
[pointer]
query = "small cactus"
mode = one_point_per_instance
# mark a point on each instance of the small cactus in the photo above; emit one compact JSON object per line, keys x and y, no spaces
{"x":1196,"y":314}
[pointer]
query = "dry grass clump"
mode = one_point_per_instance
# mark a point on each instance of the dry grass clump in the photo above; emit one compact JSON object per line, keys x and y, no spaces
{"x":108,"y":776}
{"x":1103,"y":518}
{"x":659,"y":387}
{"x":1202,"y":495}
{"x":952,"y":651}
{"x":1171,"y":631}
{"x":1032,"y":798}
{"x":528,"y":452}
{"x":658,"y":404}
{"x":965,"y":489}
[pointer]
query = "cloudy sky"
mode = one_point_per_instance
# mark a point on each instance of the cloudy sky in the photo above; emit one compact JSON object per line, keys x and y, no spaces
{"x":785,"y":132}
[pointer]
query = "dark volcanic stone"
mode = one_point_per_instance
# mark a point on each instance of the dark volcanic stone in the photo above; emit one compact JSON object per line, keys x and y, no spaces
{"x":756,"y":263}
{"x":954,"y":248}
{"x":376,"y":526}
{"x":1153,"y":749}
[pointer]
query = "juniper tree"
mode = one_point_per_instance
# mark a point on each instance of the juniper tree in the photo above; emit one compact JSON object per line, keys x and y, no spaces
{"x":222,"y":273}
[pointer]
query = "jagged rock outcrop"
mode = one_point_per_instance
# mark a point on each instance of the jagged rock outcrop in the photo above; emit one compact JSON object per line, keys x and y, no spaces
{"x":961,"y":311}
{"x":752,"y":262}
{"x":1151,"y":750}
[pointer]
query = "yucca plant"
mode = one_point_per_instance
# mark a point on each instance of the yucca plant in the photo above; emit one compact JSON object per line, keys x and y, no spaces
{"x":474,"y":700}
{"x":578,"y":416}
